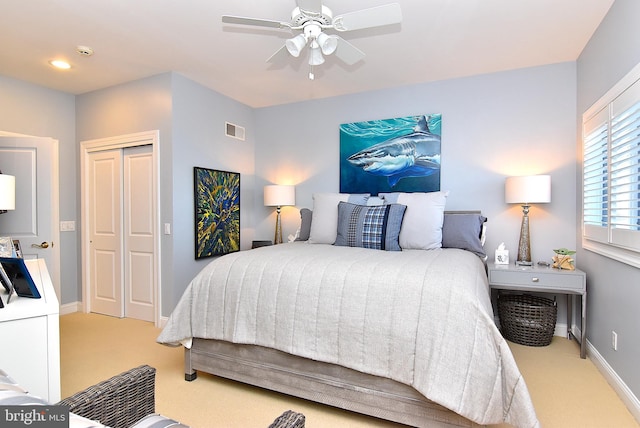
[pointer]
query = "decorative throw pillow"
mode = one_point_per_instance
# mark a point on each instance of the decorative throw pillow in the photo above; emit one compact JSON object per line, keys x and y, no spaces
{"x":305,"y":224}
{"x":375,"y":227}
{"x":422,"y":224}
{"x":464,"y":231}
{"x":325,"y":215}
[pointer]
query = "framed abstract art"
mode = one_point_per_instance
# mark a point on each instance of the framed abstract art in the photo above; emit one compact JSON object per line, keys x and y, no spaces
{"x":391,"y":155}
{"x":217,"y":212}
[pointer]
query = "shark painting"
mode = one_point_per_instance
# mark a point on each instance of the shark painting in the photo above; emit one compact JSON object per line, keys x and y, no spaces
{"x":416,"y":154}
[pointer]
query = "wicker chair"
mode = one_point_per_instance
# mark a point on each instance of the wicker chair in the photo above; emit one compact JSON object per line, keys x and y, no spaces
{"x":124,"y":399}
{"x":118,"y":402}
{"x":289,"y":419}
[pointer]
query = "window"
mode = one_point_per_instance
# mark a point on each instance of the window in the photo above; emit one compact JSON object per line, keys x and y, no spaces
{"x":611,"y":172}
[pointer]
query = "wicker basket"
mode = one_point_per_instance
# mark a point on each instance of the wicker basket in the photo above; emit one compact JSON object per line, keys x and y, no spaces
{"x":526,"y":319}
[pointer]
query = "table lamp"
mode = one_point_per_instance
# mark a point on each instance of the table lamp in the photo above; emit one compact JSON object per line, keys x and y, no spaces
{"x":7,"y":192}
{"x":525,"y":191}
{"x":278,"y":195}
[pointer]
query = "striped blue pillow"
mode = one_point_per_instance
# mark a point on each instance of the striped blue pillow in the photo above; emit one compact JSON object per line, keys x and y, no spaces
{"x":375,"y":227}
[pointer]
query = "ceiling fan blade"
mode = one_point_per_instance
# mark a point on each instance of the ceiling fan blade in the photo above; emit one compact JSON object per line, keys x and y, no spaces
{"x":313,"y":6}
{"x":280,"y":55}
{"x":229,"y":19}
{"x":347,"y":52}
{"x":367,"y":18}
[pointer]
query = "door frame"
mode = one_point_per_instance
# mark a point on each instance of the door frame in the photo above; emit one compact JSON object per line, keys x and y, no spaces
{"x":120,"y":142}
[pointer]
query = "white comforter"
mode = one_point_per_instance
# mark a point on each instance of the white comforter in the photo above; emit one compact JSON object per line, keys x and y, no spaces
{"x":423,"y":318}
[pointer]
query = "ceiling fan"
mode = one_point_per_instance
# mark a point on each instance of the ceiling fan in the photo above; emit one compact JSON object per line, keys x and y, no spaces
{"x":311,"y":18}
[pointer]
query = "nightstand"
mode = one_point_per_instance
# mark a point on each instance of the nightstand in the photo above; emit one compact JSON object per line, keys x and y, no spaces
{"x":258,"y":244}
{"x":545,"y":280}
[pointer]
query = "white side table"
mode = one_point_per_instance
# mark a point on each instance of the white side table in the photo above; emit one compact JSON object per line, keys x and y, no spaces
{"x":546,"y":280}
{"x":30,"y":332}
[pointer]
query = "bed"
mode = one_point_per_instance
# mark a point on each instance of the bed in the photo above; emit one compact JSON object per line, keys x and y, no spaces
{"x":406,"y":336}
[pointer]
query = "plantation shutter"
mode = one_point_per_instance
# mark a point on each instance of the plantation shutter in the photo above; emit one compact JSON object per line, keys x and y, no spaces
{"x":625,"y":169}
{"x":596,"y":177}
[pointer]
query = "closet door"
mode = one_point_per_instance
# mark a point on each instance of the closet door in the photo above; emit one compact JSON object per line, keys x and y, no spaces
{"x":139,"y":269}
{"x":120,"y":242}
{"x":105,"y":232}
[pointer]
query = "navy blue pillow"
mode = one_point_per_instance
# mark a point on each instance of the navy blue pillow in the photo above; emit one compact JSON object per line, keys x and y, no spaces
{"x":376,"y":227}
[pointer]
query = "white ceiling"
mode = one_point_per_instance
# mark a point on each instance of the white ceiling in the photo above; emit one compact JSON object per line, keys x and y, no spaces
{"x":132,"y":39}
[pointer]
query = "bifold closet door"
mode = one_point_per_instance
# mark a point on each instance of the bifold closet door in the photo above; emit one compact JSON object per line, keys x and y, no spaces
{"x":139,"y":269}
{"x":105,"y":224}
{"x":122,"y":232}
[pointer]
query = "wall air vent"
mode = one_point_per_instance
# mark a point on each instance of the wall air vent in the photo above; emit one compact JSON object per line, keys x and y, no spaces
{"x":234,"y":131}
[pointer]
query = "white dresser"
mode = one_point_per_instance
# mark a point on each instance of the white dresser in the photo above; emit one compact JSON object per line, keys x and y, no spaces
{"x":30,"y":337}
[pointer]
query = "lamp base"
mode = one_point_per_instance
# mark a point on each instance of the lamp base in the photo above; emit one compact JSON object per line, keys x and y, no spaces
{"x":277,"y":238}
{"x":524,"y":246}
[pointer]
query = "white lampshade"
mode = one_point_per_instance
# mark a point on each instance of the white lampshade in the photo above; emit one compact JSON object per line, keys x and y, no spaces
{"x":296,"y":44}
{"x":7,"y":192}
{"x":528,"y":189}
{"x":279,"y":195}
{"x":315,"y":56}
{"x":328,"y":44}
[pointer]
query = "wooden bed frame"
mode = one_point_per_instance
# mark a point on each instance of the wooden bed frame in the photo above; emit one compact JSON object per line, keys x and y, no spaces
{"x":317,"y":381}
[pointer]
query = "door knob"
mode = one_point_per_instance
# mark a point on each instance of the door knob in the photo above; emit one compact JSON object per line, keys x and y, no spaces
{"x":45,"y":244}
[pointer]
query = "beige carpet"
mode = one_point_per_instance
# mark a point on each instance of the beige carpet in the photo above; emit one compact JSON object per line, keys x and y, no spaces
{"x":566,"y":391}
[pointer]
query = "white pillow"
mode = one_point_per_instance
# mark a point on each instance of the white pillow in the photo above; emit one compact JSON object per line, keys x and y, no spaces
{"x":324,"y":226}
{"x":422,"y":222}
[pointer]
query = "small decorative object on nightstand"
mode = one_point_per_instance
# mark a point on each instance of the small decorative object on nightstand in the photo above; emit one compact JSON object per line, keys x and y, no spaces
{"x":562,"y":259}
{"x":545,"y":280}
{"x":502,"y":255}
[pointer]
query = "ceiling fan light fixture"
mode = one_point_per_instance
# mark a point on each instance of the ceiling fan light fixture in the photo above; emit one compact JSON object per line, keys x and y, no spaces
{"x":296,"y":44}
{"x":312,"y":18}
{"x":315,"y":56}
{"x":328,"y":44}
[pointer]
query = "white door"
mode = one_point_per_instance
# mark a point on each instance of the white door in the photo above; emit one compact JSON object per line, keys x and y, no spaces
{"x":105,"y":232}
{"x":120,"y":240}
{"x":139,"y":263}
{"x":35,"y":221}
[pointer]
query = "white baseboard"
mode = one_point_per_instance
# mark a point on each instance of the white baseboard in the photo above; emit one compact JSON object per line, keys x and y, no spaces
{"x":70,"y":308}
{"x":621,"y":388}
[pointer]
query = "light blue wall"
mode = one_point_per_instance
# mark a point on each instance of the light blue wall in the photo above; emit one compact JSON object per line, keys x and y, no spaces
{"x":495,"y":125}
{"x":199,"y":139}
{"x":34,"y":110}
{"x":141,"y":105}
{"x":614,"y":288}
{"x":191,"y":121}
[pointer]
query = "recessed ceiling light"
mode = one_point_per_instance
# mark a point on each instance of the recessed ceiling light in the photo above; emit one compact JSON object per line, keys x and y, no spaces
{"x":58,"y":63}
